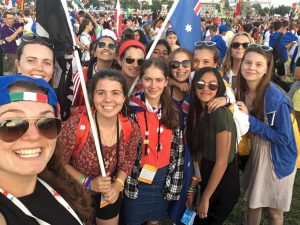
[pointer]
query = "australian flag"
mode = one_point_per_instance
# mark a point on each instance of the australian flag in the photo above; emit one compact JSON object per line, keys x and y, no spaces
{"x":186,"y":22}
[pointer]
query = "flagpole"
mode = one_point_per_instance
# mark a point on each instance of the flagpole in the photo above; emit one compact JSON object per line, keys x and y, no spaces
{"x":84,"y":89}
{"x":155,"y":41}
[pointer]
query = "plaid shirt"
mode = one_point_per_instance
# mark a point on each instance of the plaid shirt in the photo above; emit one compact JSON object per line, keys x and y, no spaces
{"x":174,"y":178}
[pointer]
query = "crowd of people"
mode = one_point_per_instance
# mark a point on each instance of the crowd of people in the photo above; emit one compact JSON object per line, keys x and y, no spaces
{"x":178,"y":131}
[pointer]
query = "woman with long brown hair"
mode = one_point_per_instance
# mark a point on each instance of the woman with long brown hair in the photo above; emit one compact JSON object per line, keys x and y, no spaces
{"x":270,"y":171}
{"x":157,"y":174}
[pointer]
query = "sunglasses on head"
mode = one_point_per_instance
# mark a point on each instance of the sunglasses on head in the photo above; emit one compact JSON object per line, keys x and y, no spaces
{"x":185,"y":63}
{"x":265,"y":48}
{"x":131,"y":60}
{"x":205,"y":43}
{"x":211,"y":85}
{"x":34,"y":37}
{"x":236,"y":45}
{"x":12,"y":130}
{"x":110,"y":46}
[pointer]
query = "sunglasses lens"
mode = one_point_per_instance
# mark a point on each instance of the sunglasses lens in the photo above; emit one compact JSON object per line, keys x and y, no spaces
{"x":129,"y":60}
{"x":111,"y":46}
{"x":140,"y":62}
{"x":174,"y":64}
{"x":200,"y":85}
{"x":213,"y":86}
{"x":101,"y":44}
{"x":186,"y":63}
{"x":49,"y":127}
{"x":13,"y":129}
{"x":235,"y":45}
{"x":245,"y":45}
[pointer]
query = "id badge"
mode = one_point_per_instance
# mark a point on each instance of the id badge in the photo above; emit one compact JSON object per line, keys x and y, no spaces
{"x":103,"y":203}
{"x":188,"y":217}
{"x":18,"y":41}
{"x":147,"y":174}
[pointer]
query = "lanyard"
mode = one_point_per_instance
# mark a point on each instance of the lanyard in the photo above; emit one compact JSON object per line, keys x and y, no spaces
{"x":118,"y":140}
{"x":147,"y":133}
{"x":59,"y":198}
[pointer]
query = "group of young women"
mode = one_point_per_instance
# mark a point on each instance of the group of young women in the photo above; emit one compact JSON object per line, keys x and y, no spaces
{"x":168,"y":141}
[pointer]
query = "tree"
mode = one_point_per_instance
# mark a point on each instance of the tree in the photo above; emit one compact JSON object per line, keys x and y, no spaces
{"x":282,"y":10}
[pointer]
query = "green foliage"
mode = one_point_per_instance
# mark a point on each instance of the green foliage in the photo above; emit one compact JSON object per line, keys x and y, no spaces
{"x":281,"y":10}
{"x":132,"y":4}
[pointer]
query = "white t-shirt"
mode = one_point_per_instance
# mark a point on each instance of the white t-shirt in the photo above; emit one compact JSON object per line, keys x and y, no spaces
{"x":85,"y":40}
{"x":28,"y":25}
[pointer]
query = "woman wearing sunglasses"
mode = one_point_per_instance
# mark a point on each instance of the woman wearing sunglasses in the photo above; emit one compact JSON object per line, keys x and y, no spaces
{"x":118,"y":136}
{"x":37,"y":63}
{"x":157,"y":175}
{"x":181,"y":66}
{"x":211,"y":138}
{"x":103,"y":58}
{"x":270,"y":171}
{"x":131,"y":55}
{"x":233,"y":58}
{"x":30,"y":167}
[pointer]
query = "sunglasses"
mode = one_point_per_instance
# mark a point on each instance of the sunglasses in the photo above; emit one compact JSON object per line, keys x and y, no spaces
{"x":212,"y":85}
{"x":265,"y":48}
{"x":184,"y":63}
{"x":34,"y":37}
{"x":110,"y":46}
{"x":205,"y":43}
{"x":236,"y":45}
{"x":12,"y":130}
{"x":130,"y":61}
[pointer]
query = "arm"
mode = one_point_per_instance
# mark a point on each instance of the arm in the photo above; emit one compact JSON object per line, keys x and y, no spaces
{"x":223,"y":142}
{"x":14,"y":35}
{"x":276,"y":133}
{"x":184,"y":87}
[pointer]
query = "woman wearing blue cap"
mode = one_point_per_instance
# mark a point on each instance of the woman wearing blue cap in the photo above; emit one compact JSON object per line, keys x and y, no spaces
{"x":30,"y":168}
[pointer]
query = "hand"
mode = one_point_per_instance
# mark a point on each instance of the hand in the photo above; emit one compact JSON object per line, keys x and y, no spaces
{"x":202,"y":208}
{"x":189,"y":199}
{"x":216,"y":103}
{"x":184,"y":87}
{"x":242,"y":107}
{"x":113,"y":195}
{"x":101,"y":184}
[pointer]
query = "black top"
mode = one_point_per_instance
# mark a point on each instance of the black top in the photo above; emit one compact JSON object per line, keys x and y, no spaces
{"x":42,"y":204}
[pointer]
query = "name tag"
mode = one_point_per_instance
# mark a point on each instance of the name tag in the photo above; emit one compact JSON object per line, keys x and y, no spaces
{"x":147,"y":174}
{"x":18,"y":41}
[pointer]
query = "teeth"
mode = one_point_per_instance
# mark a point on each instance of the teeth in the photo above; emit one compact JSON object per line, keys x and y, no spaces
{"x":29,"y":153}
{"x":37,"y":76}
{"x":108,"y":107}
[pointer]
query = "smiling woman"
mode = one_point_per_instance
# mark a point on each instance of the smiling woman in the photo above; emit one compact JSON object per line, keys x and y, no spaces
{"x":35,"y":58}
{"x":30,"y":163}
{"x":118,"y":136}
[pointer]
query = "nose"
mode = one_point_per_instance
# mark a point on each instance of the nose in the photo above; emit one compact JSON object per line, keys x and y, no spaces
{"x":32,"y":133}
{"x":39,"y":66}
{"x":107,"y":97}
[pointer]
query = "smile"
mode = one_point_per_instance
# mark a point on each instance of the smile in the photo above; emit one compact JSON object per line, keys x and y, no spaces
{"x":29,"y":153}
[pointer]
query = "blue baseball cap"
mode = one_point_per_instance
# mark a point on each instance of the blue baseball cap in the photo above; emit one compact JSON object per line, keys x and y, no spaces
{"x":223,"y":28}
{"x":7,"y":97}
{"x":170,"y":31}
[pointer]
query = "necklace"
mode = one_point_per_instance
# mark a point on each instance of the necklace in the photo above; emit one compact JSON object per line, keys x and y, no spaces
{"x":105,"y":141}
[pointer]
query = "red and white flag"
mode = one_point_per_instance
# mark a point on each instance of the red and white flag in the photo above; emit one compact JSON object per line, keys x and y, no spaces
{"x":119,"y":19}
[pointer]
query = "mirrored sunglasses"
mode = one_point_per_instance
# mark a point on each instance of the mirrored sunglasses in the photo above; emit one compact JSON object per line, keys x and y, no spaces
{"x":265,"y":48}
{"x":205,"y":43}
{"x":110,"y":46}
{"x":131,"y":60}
{"x":12,"y":130}
{"x":185,"y":63}
{"x":236,"y":45}
{"x":34,"y":37}
{"x":212,"y":85}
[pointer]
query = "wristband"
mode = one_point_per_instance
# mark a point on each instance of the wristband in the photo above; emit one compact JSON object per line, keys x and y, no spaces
{"x":121,"y":182}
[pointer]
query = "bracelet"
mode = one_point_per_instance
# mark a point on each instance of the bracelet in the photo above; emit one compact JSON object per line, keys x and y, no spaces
{"x":88,"y":183}
{"x":121,"y":182}
{"x":191,"y":190}
{"x":82,"y":178}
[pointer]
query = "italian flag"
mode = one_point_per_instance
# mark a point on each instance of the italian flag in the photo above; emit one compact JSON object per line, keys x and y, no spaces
{"x":28,"y":96}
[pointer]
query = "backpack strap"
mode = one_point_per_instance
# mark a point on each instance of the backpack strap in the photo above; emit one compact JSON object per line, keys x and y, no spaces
{"x":126,"y":126}
{"x":82,"y":131}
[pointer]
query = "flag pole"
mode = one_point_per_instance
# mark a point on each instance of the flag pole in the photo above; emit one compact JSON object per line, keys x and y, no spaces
{"x":155,"y":41}
{"x":83,"y":85}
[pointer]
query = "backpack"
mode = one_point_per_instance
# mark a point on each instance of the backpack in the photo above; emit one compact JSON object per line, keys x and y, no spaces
{"x":277,"y":54}
{"x":84,"y":126}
